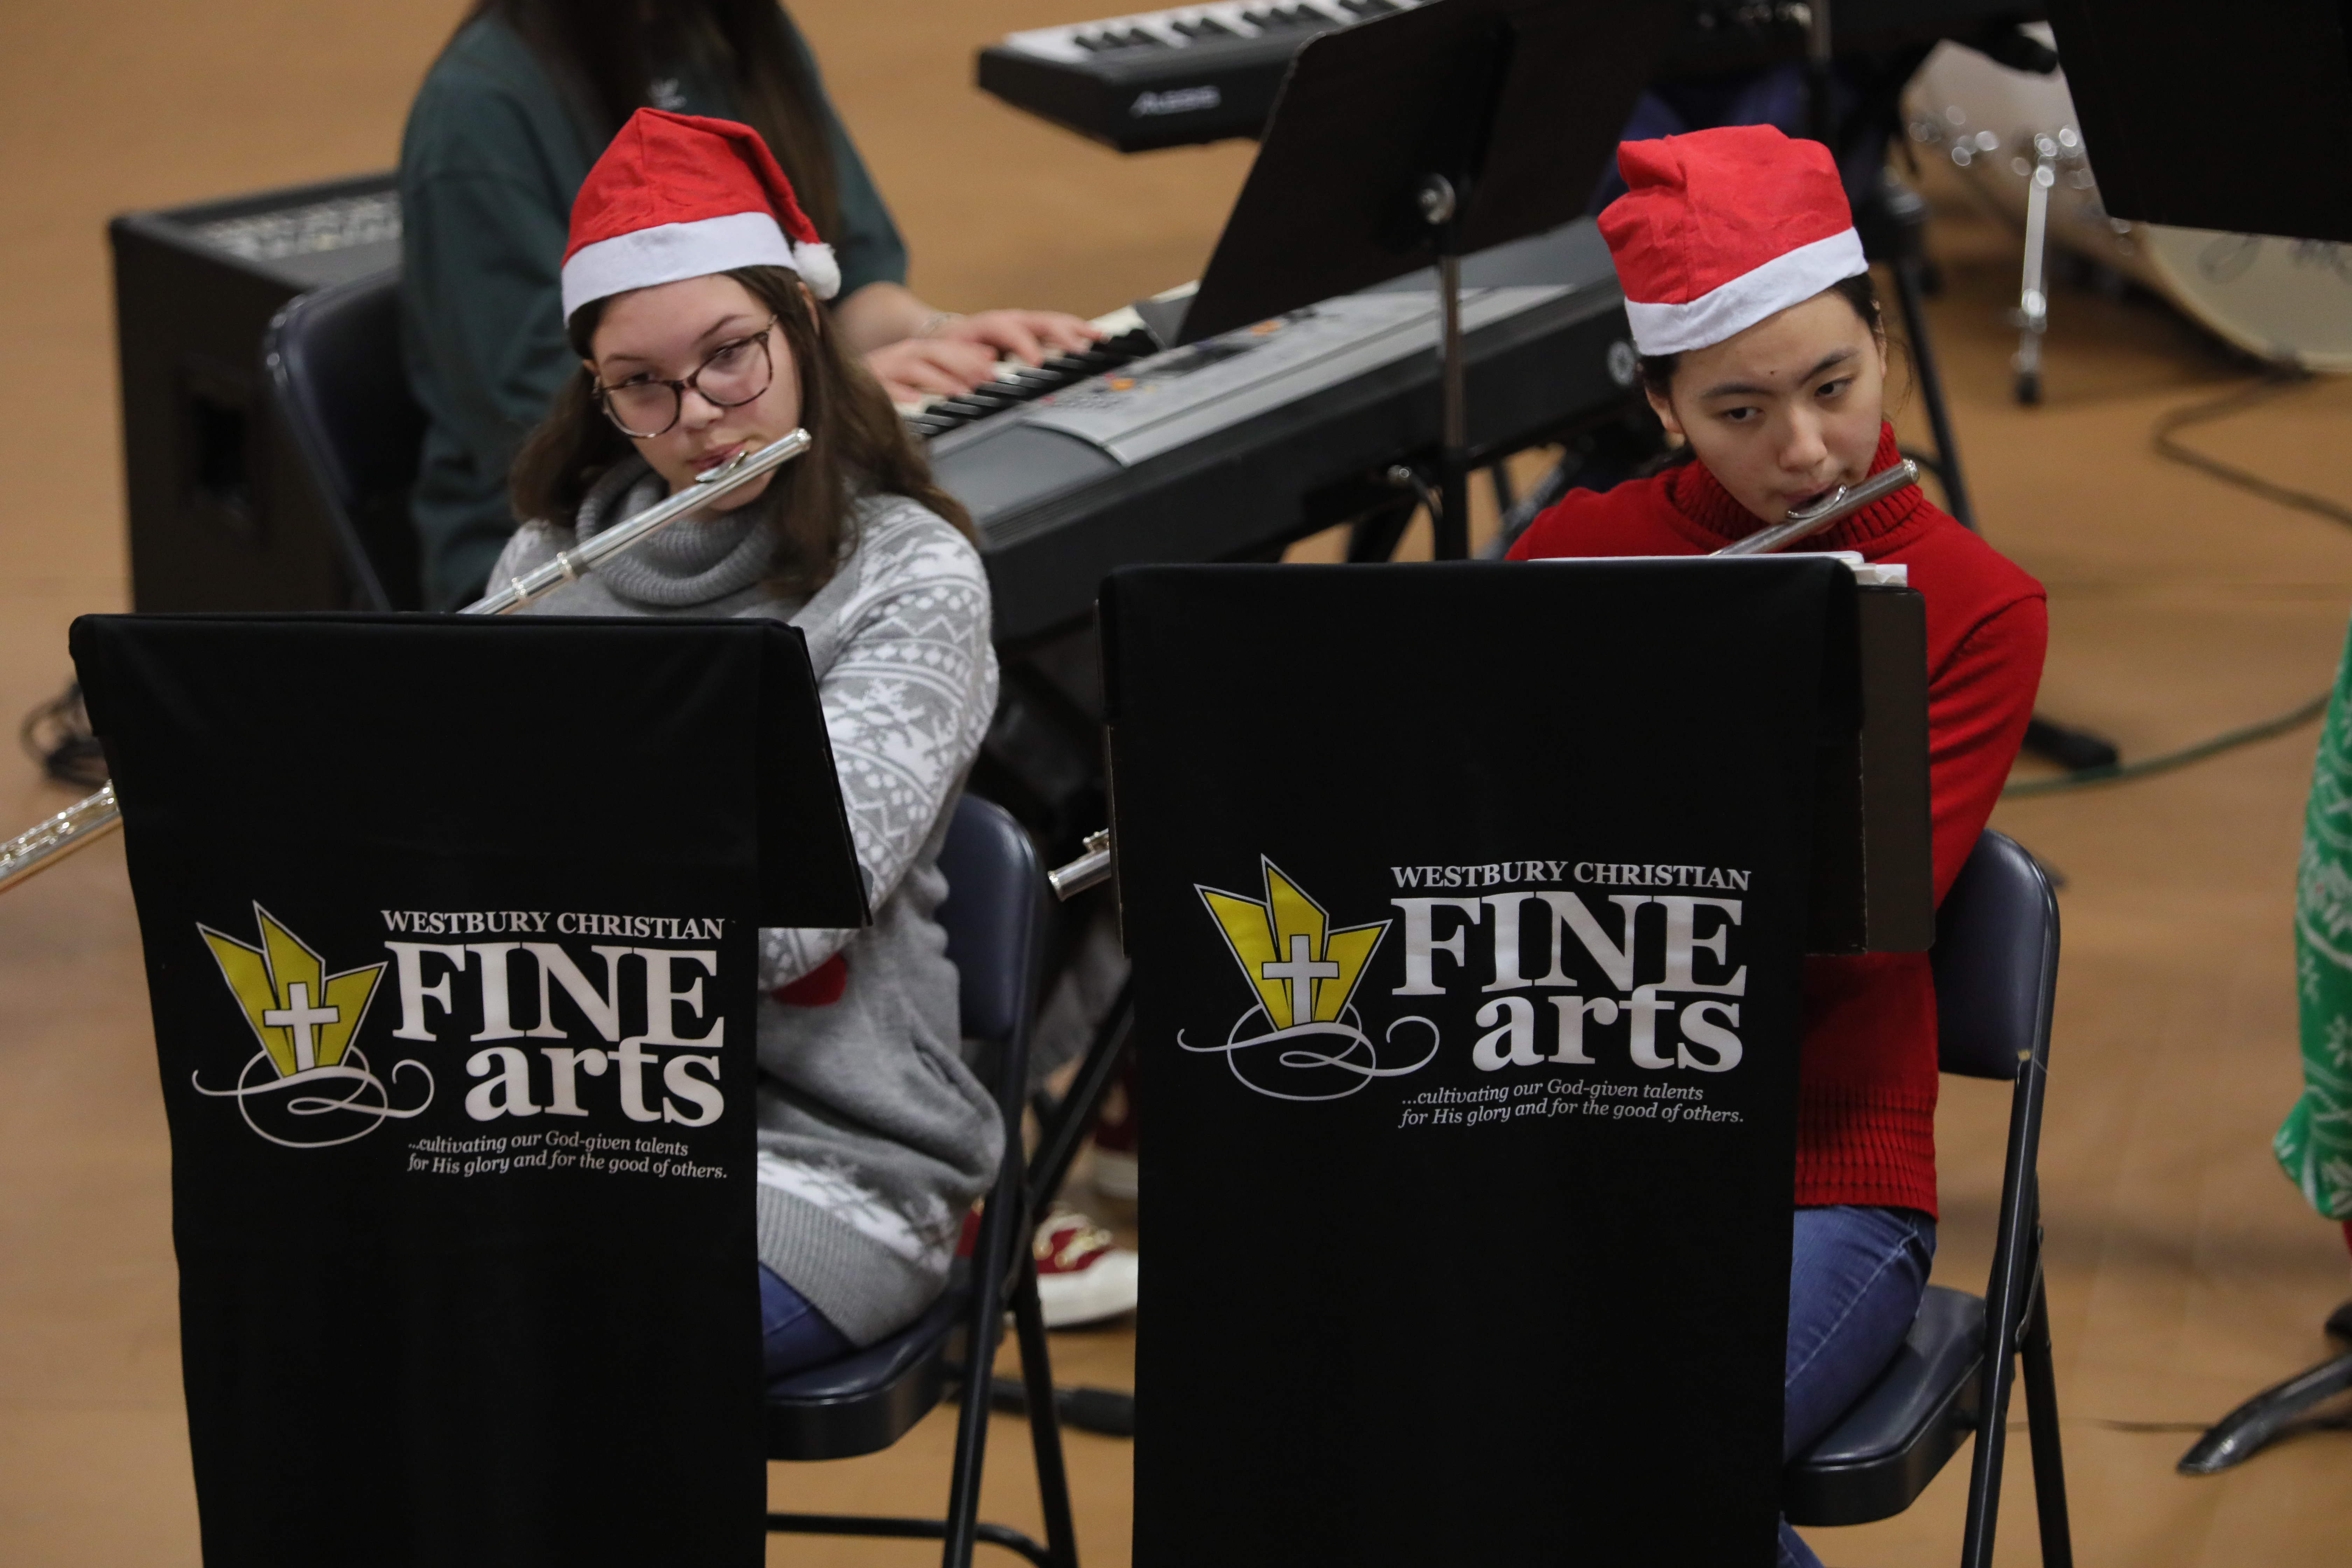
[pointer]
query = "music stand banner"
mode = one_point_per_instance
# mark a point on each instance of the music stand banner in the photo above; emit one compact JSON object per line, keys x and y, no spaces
{"x":450,"y":938}
{"x":1467,"y":907}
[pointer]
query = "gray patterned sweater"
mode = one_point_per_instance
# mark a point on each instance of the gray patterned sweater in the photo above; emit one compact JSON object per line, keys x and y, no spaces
{"x":873,"y":1135}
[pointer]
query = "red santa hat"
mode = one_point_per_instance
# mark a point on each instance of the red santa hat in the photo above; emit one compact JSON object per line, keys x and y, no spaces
{"x":680,"y":195}
{"x":1720,"y":228}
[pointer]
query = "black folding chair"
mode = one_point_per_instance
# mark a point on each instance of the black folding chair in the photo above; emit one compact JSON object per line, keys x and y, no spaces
{"x":1996,"y":961}
{"x":866,"y":1402}
{"x":341,"y":394}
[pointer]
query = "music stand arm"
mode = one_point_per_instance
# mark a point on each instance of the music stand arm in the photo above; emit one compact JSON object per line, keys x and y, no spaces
{"x":1450,"y":519}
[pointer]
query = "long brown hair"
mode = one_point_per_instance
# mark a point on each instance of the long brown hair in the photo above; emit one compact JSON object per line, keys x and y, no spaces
{"x":605,"y":50}
{"x":859,"y":443}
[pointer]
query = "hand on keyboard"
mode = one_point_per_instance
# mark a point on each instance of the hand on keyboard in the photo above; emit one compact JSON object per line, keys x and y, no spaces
{"x":913,"y":369}
{"x":1026,"y":335}
{"x":963,"y":352}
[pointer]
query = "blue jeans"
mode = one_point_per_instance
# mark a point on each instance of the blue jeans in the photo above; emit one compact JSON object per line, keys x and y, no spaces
{"x":1854,"y":1285}
{"x":793,"y":1334}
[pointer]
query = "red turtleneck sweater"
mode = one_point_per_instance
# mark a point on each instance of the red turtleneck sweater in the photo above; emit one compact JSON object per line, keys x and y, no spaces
{"x":1867,"y":1097}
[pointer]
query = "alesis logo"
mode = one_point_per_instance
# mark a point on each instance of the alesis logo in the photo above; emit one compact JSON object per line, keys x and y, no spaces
{"x":1175,"y":100}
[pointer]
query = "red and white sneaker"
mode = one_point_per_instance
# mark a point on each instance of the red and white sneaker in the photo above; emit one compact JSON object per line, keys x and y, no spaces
{"x":1083,"y":1275}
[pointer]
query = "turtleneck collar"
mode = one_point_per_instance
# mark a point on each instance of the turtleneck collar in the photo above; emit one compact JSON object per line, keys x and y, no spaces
{"x":687,"y":564}
{"x":1699,"y":497}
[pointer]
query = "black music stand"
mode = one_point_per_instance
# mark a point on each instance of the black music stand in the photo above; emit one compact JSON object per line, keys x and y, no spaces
{"x":1348,"y":991}
{"x":2289,"y":85}
{"x":2131,"y":64}
{"x":453,"y":981}
{"x":1417,"y":138}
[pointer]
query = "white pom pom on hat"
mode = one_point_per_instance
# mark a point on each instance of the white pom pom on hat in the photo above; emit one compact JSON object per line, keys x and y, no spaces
{"x":682,"y":195}
{"x":1719,"y":228}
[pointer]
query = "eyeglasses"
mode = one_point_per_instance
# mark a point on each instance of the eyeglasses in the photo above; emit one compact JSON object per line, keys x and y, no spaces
{"x":729,"y":376}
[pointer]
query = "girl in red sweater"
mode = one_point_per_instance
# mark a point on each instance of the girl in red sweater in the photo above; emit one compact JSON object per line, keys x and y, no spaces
{"x":1762,"y":348}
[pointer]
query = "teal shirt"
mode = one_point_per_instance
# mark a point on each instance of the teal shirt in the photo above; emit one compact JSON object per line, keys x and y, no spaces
{"x":491,"y":158}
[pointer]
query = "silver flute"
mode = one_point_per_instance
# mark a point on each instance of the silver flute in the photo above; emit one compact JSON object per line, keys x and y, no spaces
{"x":1093,"y":869}
{"x":93,"y":817}
{"x":1844,"y":502}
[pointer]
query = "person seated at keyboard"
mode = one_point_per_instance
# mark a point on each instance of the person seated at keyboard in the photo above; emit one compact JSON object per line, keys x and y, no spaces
{"x":509,"y":117}
{"x":691,"y":301}
{"x":1762,"y":350}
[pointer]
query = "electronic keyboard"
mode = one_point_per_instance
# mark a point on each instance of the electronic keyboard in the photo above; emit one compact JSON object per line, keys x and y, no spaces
{"x":1204,"y":73}
{"x":1165,"y":78}
{"x":1239,"y":443}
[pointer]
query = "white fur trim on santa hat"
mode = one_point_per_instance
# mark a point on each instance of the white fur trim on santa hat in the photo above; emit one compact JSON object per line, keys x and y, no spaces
{"x":1790,"y":278}
{"x":670,"y":251}
{"x":814,"y":260}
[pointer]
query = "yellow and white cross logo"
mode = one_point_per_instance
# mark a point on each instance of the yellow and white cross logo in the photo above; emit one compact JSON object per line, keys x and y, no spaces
{"x":303,"y":1016}
{"x":1302,"y":970}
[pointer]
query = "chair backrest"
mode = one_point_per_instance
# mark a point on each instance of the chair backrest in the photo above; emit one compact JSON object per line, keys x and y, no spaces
{"x":335,"y":371}
{"x":995,"y":893}
{"x":1996,"y":961}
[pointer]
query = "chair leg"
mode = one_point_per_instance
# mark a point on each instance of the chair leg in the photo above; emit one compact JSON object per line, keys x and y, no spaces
{"x":2041,"y":1434}
{"x":1044,"y":1417}
{"x":1002,"y":1227}
{"x":1984,"y":1468}
{"x":1992,"y":1436}
{"x":971,"y":1436}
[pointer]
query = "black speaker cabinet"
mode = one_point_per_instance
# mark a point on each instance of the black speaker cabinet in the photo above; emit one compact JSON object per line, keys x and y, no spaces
{"x":222,"y":515}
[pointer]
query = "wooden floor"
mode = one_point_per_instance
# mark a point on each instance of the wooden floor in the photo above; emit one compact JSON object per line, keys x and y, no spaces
{"x":2184,"y":1271}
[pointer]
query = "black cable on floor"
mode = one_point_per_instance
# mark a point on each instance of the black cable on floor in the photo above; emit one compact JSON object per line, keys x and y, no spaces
{"x":2278,"y":380}
{"x":2275,"y":381}
{"x":2228,"y":739}
{"x":56,"y":735}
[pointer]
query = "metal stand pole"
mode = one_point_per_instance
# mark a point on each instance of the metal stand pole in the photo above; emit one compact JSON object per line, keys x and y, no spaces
{"x":1820,"y":115}
{"x":1450,"y":522}
{"x":2034,"y":294}
{"x":1931,"y":389}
